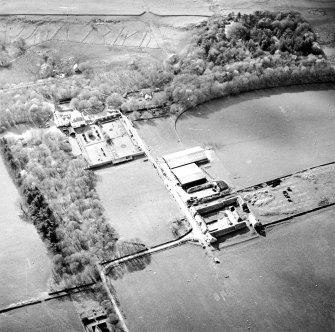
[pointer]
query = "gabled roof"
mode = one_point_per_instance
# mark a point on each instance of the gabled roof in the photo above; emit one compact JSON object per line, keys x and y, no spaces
{"x":188,"y":174}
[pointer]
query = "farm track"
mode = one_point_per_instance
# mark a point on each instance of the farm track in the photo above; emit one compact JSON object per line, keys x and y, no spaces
{"x":109,"y":265}
{"x":51,"y":296}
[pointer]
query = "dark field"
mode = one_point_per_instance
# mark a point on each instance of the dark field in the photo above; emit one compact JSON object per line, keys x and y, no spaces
{"x":283,"y":282}
{"x":137,"y":202}
{"x":263,"y":135}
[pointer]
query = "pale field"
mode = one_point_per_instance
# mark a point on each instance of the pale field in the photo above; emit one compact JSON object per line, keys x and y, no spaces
{"x":103,"y":7}
{"x":137,"y":203}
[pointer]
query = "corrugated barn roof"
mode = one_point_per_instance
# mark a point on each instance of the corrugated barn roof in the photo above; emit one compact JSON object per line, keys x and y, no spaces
{"x":188,"y":174}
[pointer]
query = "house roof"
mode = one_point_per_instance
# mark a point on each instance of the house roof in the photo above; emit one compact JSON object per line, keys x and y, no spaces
{"x":188,"y":156}
{"x":188,"y":174}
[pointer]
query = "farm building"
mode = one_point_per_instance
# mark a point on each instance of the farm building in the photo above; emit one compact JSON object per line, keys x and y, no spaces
{"x":69,"y":118}
{"x":223,"y":217}
{"x":189,"y":175}
{"x":185,"y":157}
{"x":62,"y":119}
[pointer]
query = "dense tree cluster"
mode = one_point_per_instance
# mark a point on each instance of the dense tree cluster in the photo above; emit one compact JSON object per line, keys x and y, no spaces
{"x":238,"y":53}
{"x":60,"y":199}
{"x":236,"y":37}
{"x":62,"y":202}
{"x":42,"y":216}
{"x":27,"y":107}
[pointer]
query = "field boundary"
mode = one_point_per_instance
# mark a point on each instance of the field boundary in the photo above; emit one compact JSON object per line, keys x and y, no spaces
{"x":281,"y":220}
{"x":147,"y":251}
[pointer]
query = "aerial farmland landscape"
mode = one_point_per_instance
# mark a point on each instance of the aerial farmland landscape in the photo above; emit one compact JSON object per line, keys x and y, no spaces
{"x":167,"y":165}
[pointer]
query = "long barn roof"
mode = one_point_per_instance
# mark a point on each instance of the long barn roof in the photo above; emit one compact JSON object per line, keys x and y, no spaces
{"x":185,"y":157}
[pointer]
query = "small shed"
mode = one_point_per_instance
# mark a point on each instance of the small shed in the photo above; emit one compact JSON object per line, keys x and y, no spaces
{"x":185,"y":157}
{"x":189,"y":175}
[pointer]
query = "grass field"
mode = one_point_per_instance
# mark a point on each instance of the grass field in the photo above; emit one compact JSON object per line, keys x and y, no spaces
{"x":136,"y":202}
{"x":263,"y":135}
{"x":24,"y":264}
{"x":283,"y":282}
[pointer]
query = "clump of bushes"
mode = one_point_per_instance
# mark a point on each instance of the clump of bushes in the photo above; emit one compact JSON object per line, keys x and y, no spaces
{"x":10,"y":51}
{"x":180,"y":227}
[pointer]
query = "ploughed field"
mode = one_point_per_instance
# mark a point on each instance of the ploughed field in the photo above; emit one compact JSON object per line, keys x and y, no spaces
{"x":282,"y":282}
{"x":137,"y":203}
{"x":24,"y":264}
{"x":259,"y":136}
